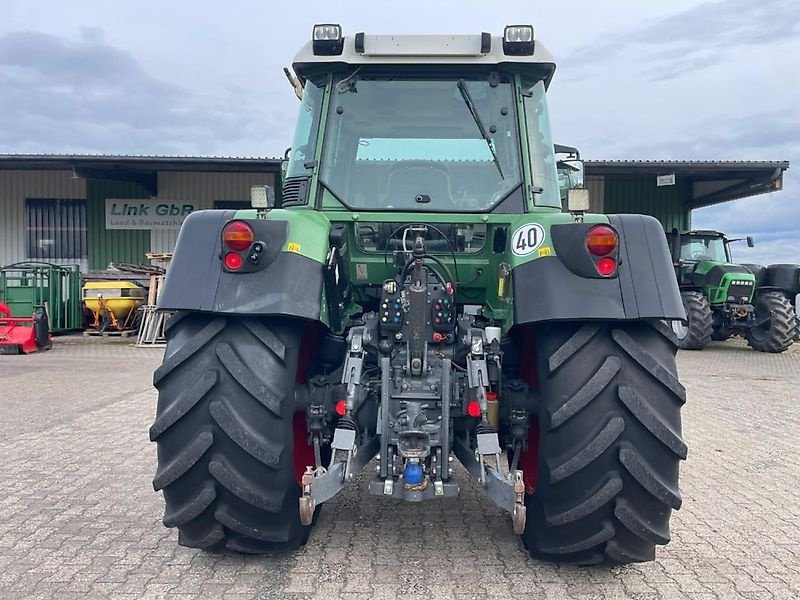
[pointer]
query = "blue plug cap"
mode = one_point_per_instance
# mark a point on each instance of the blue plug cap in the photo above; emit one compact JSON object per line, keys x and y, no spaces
{"x":412,"y":474}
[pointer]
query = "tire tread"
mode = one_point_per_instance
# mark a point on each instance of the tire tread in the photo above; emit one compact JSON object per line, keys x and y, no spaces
{"x":608,"y":461}
{"x":223,"y":424}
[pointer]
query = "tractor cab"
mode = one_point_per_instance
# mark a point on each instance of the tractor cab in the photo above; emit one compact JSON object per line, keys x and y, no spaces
{"x":700,"y":245}
{"x":697,"y":246}
{"x":423,"y":123}
{"x":692,"y":247}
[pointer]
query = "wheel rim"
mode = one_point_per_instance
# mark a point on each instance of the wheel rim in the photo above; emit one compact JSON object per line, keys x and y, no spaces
{"x":680,"y":329}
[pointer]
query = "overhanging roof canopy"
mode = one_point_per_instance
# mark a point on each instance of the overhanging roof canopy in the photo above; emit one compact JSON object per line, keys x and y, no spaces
{"x":712,"y":182}
{"x":136,"y":169}
{"x":152,"y":163}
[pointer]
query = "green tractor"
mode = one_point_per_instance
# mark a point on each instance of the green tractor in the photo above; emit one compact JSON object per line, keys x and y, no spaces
{"x":416,"y":296}
{"x":723,"y":299}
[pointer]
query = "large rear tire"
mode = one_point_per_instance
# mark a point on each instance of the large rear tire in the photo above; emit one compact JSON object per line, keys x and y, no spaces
{"x":696,"y":333}
{"x":720,"y":334}
{"x":779,"y":332}
{"x":224,"y":432}
{"x":610,"y":443}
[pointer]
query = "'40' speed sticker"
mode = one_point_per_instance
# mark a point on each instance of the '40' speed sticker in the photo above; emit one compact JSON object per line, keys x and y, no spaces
{"x":527,"y":239}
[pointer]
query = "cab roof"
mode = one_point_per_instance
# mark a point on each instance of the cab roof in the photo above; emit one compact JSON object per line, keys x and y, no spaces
{"x":413,"y":50}
{"x":704,"y":233}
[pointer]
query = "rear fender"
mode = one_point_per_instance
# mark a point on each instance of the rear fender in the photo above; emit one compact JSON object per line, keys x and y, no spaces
{"x":287,"y":280}
{"x":552,"y":288}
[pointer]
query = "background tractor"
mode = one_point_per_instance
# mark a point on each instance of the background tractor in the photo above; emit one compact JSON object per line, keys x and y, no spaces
{"x":722,"y":298}
{"x":417,"y":295}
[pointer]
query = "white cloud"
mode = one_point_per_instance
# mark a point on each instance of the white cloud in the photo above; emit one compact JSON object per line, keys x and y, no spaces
{"x":685,"y":79}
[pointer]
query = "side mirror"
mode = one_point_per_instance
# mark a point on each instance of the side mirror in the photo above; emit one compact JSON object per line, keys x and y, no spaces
{"x":574,"y":170}
{"x":750,"y":242}
{"x":262,"y":197}
{"x":578,"y":200}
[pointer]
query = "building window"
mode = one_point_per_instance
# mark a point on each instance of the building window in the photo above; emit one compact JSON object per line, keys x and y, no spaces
{"x":56,"y":229}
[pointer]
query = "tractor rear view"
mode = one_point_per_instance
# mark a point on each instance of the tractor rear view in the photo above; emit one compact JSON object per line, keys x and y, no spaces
{"x":723,"y":299}
{"x":417,"y":296}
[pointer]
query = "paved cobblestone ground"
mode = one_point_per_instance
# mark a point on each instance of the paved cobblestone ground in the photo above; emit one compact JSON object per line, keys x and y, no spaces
{"x":78,"y":517}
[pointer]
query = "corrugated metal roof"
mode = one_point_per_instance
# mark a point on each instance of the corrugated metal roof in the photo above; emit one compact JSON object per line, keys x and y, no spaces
{"x":691,"y":164}
{"x":131,"y":157}
{"x":167,"y":159}
{"x":137,"y":162}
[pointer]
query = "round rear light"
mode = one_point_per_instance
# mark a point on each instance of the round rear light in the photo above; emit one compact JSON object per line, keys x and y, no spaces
{"x":238,"y":235}
{"x":601,"y":240}
{"x":341,"y":408}
{"x":606,"y":266}
{"x":233,"y":261}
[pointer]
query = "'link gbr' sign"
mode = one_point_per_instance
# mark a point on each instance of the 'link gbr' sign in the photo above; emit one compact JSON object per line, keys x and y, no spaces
{"x":147,"y":214}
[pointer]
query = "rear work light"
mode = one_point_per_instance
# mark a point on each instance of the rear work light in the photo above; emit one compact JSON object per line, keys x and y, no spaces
{"x":601,"y":240}
{"x":238,"y":236}
{"x":518,"y":40}
{"x":327,"y":39}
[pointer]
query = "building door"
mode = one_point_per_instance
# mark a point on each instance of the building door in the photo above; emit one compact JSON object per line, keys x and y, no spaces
{"x":56,"y":231}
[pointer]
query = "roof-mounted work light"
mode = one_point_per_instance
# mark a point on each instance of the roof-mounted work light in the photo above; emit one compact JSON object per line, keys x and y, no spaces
{"x":518,"y":40}
{"x":327,"y":39}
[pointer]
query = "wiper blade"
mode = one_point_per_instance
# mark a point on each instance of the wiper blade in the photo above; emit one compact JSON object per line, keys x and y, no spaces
{"x":462,"y":87}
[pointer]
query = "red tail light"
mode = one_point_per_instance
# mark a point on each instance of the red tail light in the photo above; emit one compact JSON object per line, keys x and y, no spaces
{"x":341,"y":408}
{"x":606,"y":266}
{"x":238,"y":235}
{"x":601,"y":240}
{"x":233,"y":261}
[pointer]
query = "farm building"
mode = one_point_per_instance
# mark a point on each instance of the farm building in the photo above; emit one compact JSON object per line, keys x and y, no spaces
{"x":98,"y":210}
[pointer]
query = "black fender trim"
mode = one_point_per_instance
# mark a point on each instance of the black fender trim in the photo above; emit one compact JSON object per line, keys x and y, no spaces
{"x":784,"y":277}
{"x":645,"y":287}
{"x":290,"y":285}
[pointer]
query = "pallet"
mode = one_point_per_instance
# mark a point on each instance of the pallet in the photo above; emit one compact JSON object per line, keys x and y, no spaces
{"x":112,"y":333}
{"x":160,"y":256}
{"x":154,"y":291}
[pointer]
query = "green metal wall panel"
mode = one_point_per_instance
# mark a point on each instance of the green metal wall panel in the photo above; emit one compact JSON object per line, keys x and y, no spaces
{"x":113,"y":245}
{"x":641,"y":195}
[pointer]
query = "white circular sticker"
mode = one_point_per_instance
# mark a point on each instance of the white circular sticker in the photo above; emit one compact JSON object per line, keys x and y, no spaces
{"x":527,"y":239}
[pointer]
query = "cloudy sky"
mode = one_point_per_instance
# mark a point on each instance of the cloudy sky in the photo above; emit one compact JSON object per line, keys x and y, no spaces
{"x":684,"y":79}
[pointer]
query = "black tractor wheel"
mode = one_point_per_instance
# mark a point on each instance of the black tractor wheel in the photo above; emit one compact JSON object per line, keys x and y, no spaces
{"x":224,"y":428}
{"x":696,"y":333}
{"x":777,"y":333}
{"x":610,"y":443}
{"x":720,"y":334}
